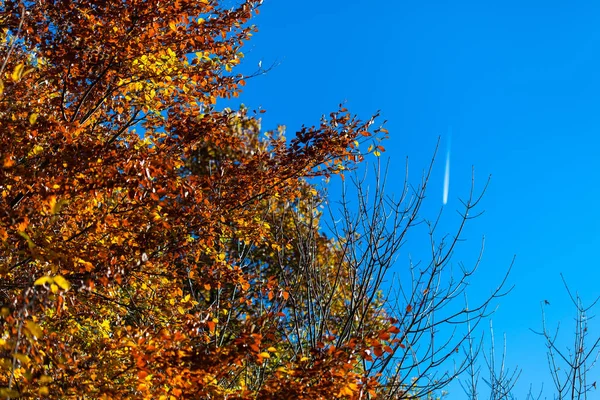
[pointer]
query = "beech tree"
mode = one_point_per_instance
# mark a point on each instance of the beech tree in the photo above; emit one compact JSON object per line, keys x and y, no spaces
{"x":155,"y":246}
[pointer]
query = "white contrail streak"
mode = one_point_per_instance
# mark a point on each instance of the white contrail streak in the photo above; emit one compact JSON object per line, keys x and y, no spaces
{"x":447,"y":172}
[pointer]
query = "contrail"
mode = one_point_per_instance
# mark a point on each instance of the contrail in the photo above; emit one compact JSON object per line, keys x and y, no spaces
{"x":447,"y":173}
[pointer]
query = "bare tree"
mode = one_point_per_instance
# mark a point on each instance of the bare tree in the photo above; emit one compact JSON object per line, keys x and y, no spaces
{"x":501,"y":380}
{"x":569,"y":367}
{"x":433,"y":321}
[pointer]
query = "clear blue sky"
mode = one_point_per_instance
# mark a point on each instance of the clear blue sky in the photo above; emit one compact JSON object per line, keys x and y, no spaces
{"x":517,"y":82}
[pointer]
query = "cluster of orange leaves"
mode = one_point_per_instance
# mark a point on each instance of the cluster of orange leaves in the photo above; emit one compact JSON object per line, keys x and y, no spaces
{"x":138,"y":224}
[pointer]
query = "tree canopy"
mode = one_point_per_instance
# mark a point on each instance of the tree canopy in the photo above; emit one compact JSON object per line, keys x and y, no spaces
{"x":154,"y":246}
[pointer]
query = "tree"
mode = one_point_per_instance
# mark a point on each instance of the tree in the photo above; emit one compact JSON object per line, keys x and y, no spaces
{"x":153,"y":246}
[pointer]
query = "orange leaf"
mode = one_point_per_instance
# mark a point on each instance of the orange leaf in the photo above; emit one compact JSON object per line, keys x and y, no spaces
{"x":8,"y":161}
{"x":211,"y":326}
{"x":378,"y":351}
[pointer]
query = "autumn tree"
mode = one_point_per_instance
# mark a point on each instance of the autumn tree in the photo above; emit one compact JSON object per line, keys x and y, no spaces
{"x":155,"y":246}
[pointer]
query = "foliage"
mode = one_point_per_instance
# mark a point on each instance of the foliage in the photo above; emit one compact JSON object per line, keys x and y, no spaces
{"x":153,"y":246}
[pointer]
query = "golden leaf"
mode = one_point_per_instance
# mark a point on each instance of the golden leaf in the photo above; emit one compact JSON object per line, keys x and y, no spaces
{"x":24,"y":358}
{"x":37,"y":149}
{"x":34,"y":328}
{"x":43,"y":280}
{"x":62,"y":282}
{"x":9,"y":393}
{"x":17,"y":72}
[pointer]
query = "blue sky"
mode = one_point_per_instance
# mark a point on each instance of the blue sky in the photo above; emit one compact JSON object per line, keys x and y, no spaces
{"x":518,"y":84}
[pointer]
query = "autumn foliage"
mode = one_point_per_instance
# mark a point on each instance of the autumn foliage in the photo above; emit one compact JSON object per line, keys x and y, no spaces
{"x":156,"y":246}
{"x":153,"y":246}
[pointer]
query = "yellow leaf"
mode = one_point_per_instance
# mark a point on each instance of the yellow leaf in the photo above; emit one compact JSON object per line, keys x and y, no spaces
{"x":27,"y":72}
{"x":54,"y":288}
{"x":37,"y":149}
{"x":304,"y":359}
{"x":34,"y":328}
{"x":9,"y":393}
{"x":33,"y":118}
{"x":181,"y":310}
{"x":172,"y":26}
{"x":44,"y":391}
{"x":272,"y":349}
{"x":88,"y":265}
{"x":24,"y":358}
{"x":17,"y":72}
{"x":264,"y":354}
{"x":62,"y":282}
{"x":43,"y":280}
{"x":55,"y":206}
{"x":1,"y":86}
